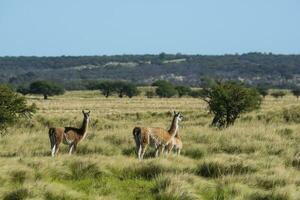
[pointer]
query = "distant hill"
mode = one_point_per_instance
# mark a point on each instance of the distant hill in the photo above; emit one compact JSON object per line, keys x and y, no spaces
{"x":72,"y":71}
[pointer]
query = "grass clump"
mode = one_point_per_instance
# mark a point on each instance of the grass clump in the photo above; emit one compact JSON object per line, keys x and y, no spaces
{"x":195,"y":153}
{"x":267,"y":195}
{"x":215,"y":169}
{"x":147,"y":170}
{"x":80,"y":170}
{"x":18,"y":194}
{"x":18,"y":177}
{"x":170,"y":187}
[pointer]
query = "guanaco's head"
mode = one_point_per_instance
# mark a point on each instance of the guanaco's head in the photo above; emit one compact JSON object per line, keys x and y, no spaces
{"x":86,"y":115}
{"x":178,"y":116}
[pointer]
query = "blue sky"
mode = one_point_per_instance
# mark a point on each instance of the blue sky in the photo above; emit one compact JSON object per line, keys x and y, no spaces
{"x":106,"y":27}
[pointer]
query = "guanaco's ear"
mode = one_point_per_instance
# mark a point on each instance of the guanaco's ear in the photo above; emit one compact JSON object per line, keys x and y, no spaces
{"x":82,"y":111}
{"x":174,"y":112}
{"x":89,"y":112}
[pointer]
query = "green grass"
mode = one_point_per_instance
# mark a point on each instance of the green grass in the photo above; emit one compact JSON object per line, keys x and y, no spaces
{"x":258,"y":158}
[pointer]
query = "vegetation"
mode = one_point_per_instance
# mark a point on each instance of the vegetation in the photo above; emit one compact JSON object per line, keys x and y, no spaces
{"x":296,"y":92}
{"x":165,"y":89}
{"x":183,"y":90}
{"x":278,"y":94}
{"x":122,"y":88}
{"x":228,"y":100}
{"x":263,"y":91}
{"x":44,"y":88}
{"x":257,"y":158}
{"x":12,"y":108}
{"x":194,"y":70}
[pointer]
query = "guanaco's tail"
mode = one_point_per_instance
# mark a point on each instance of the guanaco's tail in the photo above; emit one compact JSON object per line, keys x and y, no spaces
{"x":52,"y":137}
{"x":137,"y":135}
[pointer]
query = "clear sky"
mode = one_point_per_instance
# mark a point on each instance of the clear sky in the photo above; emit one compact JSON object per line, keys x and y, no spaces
{"x":106,"y":27}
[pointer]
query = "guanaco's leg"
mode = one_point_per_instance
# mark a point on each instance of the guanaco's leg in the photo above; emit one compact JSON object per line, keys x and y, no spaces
{"x":143,"y":150}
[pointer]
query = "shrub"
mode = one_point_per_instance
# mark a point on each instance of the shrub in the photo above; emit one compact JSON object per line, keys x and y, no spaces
{"x":196,"y":93}
{"x":166,"y":90}
{"x":263,"y":91}
{"x":13,"y":107}
{"x":278,"y":94}
{"x":296,"y":92}
{"x":150,"y":94}
{"x":183,"y":90}
{"x":45,"y":88}
{"x":228,"y":100}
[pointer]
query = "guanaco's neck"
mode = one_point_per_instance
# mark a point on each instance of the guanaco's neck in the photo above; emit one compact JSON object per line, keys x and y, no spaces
{"x":84,"y":126}
{"x":174,"y":127}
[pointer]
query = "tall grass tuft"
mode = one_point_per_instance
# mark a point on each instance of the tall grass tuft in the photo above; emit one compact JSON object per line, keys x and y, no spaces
{"x":18,"y":194}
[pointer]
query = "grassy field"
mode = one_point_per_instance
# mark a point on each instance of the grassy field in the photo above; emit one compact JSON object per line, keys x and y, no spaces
{"x":257,"y":159}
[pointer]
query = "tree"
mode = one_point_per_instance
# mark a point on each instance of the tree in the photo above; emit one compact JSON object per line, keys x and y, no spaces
{"x":106,"y":88}
{"x":150,"y":94}
{"x":183,"y":90}
{"x":131,"y":90}
{"x":278,"y":94}
{"x":228,"y":100}
{"x":12,"y":107}
{"x":262,"y":91}
{"x":45,"y":88}
{"x":120,"y":87}
{"x":196,"y":93}
{"x":23,"y":90}
{"x":166,"y":89}
{"x":296,"y":92}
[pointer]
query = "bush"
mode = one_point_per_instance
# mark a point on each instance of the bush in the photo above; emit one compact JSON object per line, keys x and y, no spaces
{"x":150,"y":94}
{"x":228,"y":100}
{"x":196,"y":93}
{"x":166,"y":90}
{"x":296,"y":92}
{"x":13,"y":107}
{"x":263,"y":91}
{"x":278,"y":94}
{"x":45,"y":88}
{"x":120,"y":87}
{"x":183,"y":90}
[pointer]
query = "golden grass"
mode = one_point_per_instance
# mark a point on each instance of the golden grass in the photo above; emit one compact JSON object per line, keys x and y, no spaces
{"x":255,"y":159}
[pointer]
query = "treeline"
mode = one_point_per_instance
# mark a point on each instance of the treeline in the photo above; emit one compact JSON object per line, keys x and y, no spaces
{"x":162,"y":89}
{"x":273,"y":71}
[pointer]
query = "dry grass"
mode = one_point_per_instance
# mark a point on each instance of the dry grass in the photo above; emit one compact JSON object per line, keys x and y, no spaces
{"x":258,"y":158}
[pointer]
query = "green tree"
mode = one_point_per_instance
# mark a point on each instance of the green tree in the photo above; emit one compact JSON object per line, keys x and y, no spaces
{"x":131,"y":90}
{"x":12,"y":107}
{"x":228,"y":100}
{"x":166,"y":89}
{"x":150,"y":94}
{"x":196,"y":93}
{"x":160,"y":82}
{"x":296,"y":92}
{"x":183,"y":90}
{"x":23,"y":90}
{"x":278,"y":94}
{"x":106,"y":88}
{"x":45,"y":88}
{"x":262,"y":91}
